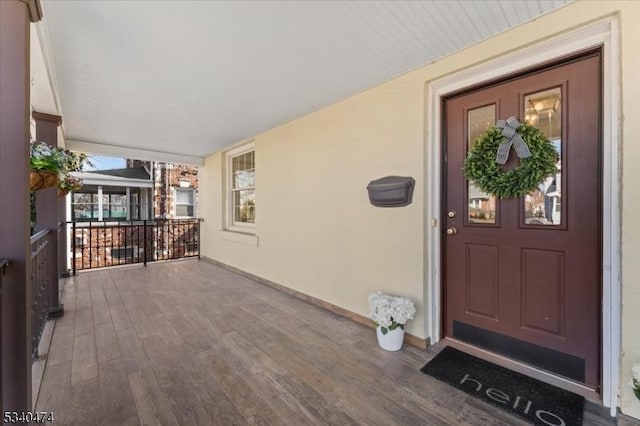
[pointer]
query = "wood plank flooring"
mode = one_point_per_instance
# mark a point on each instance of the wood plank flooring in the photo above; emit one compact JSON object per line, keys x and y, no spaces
{"x":190,"y":343}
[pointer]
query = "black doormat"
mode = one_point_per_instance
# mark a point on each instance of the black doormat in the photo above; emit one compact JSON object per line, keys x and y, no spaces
{"x":523,"y":396}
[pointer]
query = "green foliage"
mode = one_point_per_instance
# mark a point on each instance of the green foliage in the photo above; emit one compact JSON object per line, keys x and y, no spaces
{"x":488,"y":176}
{"x":45,"y":157}
{"x":60,"y":161}
{"x":69,"y":183}
{"x":392,"y":327}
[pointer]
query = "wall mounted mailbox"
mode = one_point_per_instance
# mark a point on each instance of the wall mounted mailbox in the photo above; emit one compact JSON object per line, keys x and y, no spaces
{"x":391,"y":191}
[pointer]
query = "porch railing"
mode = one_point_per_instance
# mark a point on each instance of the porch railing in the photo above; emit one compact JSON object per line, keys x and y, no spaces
{"x":104,"y":244}
{"x":41,"y":250}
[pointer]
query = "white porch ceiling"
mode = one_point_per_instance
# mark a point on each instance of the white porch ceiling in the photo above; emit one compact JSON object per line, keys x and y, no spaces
{"x":192,"y":77}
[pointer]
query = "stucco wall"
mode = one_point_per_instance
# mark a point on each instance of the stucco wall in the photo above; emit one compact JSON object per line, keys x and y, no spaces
{"x":317,"y":232}
{"x":630,"y":17}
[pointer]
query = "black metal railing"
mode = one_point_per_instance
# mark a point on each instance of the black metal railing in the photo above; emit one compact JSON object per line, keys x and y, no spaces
{"x":104,"y":244}
{"x":41,"y":250}
{"x":64,"y":267}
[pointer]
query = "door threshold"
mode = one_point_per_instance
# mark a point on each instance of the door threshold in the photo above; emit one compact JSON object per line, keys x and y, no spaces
{"x":528,"y":370}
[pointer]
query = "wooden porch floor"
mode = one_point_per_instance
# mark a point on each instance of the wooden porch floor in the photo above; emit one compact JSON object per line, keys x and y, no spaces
{"x":191,"y":343}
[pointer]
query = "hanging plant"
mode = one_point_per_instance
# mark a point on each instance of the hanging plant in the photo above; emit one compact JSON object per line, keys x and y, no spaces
{"x":50,"y":166}
{"x":483,"y":165}
{"x":41,"y":179}
{"x":67,"y":184}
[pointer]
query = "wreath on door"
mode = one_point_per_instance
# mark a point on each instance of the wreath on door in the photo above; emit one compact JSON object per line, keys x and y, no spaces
{"x":538,"y":159}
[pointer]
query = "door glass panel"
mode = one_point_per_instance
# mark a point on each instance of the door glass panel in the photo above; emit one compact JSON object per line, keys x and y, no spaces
{"x":481,"y":206}
{"x":543,"y":206}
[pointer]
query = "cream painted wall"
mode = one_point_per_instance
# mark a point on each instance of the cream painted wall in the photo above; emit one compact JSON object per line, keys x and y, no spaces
{"x":317,"y":231}
{"x":630,"y":17}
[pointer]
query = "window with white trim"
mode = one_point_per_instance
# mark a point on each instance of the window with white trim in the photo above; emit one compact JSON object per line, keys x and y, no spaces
{"x":241,"y":188}
{"x":184,"y":202}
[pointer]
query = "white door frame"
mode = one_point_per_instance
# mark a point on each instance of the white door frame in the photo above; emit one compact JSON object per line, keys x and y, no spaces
{"x":603,"y":33}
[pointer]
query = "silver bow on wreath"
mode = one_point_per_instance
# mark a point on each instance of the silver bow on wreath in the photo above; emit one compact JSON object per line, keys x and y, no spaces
{"x":509,"y":131}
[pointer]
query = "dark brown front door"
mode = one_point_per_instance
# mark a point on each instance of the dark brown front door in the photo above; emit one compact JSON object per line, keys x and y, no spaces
{"x":522,"y":276}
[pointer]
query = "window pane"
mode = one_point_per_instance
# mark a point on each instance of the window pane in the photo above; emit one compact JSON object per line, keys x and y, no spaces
{"x":82,"y":211}
{"x":184,"y":196}
{"x":119,"y":200}
{"x":184,"y":210}
{"x":244,"y":179}
{"x":85,"y":206}
{"x":236,"y":162}
{"x":242,"y":184}
{"x":244,"y":210}
{"x":81,"y":198}
{"x":243,"y":171}
{"x":118,"y":207}
{"x":543,"y":109}
{"x":481,"y":206}
{"x":117,"y":212}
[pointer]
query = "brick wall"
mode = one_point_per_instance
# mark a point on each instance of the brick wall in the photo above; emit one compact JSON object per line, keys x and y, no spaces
{"x":94,"y":246}
{"x":111,"y":245}
{"x":166,"y":177}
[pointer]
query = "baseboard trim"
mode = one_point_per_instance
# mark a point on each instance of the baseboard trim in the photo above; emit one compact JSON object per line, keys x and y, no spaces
{"x":409,"y":339}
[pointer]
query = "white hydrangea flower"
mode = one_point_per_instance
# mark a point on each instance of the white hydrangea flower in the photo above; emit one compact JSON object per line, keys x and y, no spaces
{"x":390,"y":311}
{"x":404,"y":310}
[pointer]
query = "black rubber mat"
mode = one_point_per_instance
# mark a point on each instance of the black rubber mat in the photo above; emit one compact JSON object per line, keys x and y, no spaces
{"x":520,"y":395}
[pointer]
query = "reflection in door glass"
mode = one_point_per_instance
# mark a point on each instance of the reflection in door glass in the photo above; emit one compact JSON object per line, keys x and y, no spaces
{"x":482,"y":206}
{"x":543,"y":109}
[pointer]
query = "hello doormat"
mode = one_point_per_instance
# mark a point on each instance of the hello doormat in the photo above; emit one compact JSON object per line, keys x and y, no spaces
{"x":523,"y":396}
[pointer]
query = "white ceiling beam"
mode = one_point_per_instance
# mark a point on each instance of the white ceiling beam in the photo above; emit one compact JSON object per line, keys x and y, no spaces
{"x":131,"y":153}
{"x":107,"y":180}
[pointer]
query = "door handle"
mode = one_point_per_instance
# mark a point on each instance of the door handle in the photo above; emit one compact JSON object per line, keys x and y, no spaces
{"x":452,"y":231}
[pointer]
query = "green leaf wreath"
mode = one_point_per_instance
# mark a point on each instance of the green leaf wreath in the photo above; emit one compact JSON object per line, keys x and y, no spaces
{"x":488,"y":176}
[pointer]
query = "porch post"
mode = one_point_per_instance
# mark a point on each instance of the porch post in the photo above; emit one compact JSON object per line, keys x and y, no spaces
{"x":100,"y":205}
{"x":48,"y":209}
{"x":15,"y":308}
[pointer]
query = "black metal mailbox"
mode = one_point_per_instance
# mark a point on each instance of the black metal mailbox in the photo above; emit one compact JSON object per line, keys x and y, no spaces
{"x":391,"y":191}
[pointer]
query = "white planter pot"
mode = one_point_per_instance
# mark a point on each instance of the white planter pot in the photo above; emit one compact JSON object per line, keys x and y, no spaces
{"x":392,"y":341}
